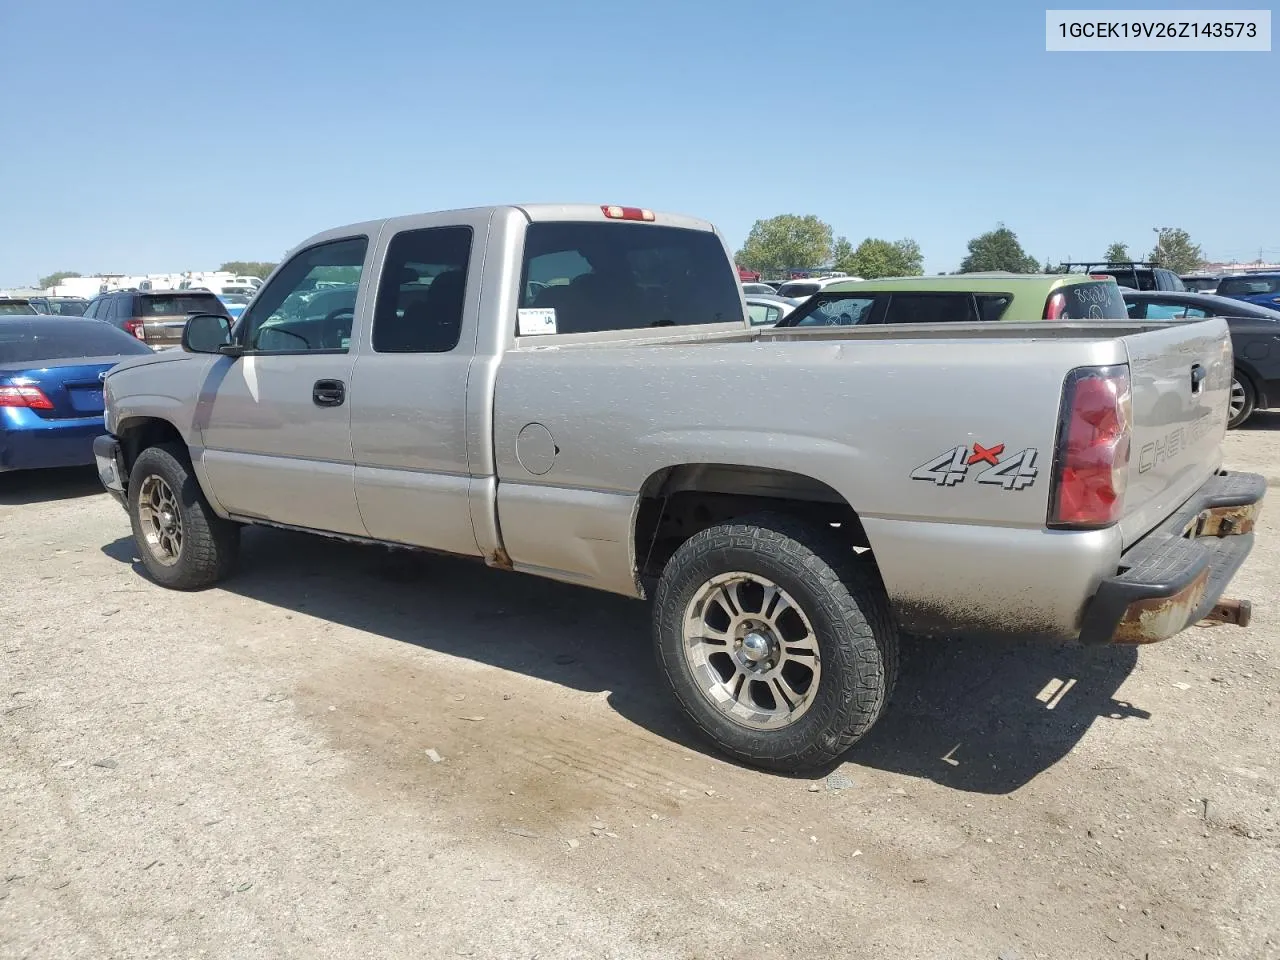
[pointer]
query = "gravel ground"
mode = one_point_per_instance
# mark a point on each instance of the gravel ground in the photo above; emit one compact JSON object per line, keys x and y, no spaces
{"x":252,"y":772}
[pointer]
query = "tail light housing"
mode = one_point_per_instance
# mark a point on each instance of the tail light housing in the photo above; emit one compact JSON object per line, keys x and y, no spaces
{"x":32,"y":398}
{"x":1055,"y":306}
{"x":1091,"y":460}
{"x":135,"y":326}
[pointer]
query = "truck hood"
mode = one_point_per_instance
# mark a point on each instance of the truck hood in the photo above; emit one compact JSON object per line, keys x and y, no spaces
{"x":160,"y":356}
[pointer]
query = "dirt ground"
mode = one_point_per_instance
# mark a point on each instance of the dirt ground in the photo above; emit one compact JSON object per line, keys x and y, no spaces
{"x":250,"y":772}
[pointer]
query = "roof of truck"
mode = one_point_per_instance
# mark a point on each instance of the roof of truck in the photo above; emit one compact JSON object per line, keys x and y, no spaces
{"x":532,"y":212}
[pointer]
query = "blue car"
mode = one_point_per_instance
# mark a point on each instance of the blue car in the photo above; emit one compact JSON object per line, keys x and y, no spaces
{"x":235,"y":304}
{"x":1260,"y":288}
{"x":51,"y":373}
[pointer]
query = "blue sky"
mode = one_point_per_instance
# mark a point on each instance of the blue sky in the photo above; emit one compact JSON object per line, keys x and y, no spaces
{"x":157,"y":136}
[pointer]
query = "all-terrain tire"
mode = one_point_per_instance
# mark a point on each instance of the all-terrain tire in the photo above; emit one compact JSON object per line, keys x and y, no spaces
{"x":845,"y":603}
{"x":209,"y":544}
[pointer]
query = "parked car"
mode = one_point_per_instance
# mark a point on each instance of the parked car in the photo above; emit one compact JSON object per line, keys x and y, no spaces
{"x":1255,"y":342}
{"x":155,"y":317}
{"x":764,"y":310}
{"x":798,"y":289}
{"x":1201,"y":282}
{"x":1260,"y":288}
{"x":1132,"y":274}
{"x":758,"y":288}
{"x":51,"y":373}
{"x":962,"y":298}
{"x":624,"y":429}
{"x":235,"y":304}
{"x":16,"y":307}
{"x":60,"y":306}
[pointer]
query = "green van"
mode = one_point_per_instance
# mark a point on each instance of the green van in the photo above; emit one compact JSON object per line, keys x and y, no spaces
{"x":962,"y":298}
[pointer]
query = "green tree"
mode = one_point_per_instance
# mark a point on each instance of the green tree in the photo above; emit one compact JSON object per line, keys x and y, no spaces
{"x":1175,"y":251}
{"x":1117,"y":253}
{"x":998,"y":249}
{"x":881,"y":258}
{"x":784,"y":242}
{"x":841,"y":254}
{"x":53,"y":279}
{"x":248,"y":268}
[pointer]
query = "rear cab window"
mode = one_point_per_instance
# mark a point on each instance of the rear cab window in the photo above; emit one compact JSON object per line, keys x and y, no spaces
{"x":1092,"y":300}
{"x":178,"y":304}
{"x":582,"y":277}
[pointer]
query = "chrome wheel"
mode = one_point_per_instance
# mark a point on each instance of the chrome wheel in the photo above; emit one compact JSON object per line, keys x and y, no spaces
{"x":161,"y":520}
{"x":1238,"y":400}
{"x":752,"y":651}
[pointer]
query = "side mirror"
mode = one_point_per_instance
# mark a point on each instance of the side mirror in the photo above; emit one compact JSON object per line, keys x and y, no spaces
{"x":206,"y":333}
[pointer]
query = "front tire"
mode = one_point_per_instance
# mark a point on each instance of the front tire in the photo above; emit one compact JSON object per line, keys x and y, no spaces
{"x":183,"y":543}
{"x":1244,"y":399}
{"x":777,"y":642}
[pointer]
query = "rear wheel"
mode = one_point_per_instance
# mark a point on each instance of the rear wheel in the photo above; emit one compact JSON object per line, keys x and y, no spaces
{"x":1243,"y":400}
{"x":777,"y":642}
{"x":183,"y":544}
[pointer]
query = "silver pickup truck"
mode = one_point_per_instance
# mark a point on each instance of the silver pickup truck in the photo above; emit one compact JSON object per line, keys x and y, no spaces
{"x":574,"y":392}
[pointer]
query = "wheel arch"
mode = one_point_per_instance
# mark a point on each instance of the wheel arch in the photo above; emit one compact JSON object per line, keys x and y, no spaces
{"x":677,"y":501}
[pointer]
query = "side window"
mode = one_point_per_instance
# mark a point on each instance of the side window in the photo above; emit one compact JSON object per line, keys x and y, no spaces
{"x":311,"y":303}
{"x":758,"y":313}
{"x":423,"y":289}
{"x":624,"y":276}
{"x":91,"y":310}
{"x":1157,"y":310}
{"x":930,"y":308}
{"x":1196,"y":313}
{"x":1137,"y":311}
{"x":991,"y":306}
{"x":772,"y":316}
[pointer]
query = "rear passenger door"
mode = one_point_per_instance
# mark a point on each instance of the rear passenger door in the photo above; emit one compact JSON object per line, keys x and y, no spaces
{"x":409,"y":388}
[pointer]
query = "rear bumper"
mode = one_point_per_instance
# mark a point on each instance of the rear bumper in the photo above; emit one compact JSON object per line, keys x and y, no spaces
{"x":1175,"y":575}
{"x":49,"y":443}
{"x":107,"y":456}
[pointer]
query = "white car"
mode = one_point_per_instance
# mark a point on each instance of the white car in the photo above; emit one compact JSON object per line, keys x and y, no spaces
{"x":809,"y":286}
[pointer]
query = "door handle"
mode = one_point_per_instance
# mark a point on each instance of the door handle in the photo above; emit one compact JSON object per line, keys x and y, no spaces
{"x":328,"y":393}
{"x":1198,"y":374}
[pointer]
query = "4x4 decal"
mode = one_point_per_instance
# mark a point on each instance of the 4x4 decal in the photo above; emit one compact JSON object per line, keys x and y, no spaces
{"x":1015,"y":472}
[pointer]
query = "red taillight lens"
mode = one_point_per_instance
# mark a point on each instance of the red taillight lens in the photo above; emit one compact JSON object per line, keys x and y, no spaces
{"x":134,"y":325}
{"x":1091,"y":467}
{"x":31,"y":397}
{"x":1055,"y":306}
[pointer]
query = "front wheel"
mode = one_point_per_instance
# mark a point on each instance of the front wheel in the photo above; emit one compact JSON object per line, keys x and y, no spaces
{"x":183,"y":544}
{"x":1243,"y":400}
{"x":777,"y":642}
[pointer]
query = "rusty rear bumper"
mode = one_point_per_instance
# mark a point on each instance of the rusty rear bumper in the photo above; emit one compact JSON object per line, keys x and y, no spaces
{"x":1175,"y":576}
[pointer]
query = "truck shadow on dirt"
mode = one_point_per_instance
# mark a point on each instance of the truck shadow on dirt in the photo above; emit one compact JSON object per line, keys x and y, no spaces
{"x":1262,"y":420}
{"x":46,"y":486}
{"x":978,"y":717}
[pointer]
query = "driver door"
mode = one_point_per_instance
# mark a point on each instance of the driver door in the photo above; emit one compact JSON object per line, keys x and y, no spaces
{"x":276,"y":422}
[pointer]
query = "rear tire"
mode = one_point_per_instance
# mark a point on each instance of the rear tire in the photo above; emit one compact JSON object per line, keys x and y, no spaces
{"x":1244,"y":399}
{"x":802,"y":665}
{"x":183,"y":543}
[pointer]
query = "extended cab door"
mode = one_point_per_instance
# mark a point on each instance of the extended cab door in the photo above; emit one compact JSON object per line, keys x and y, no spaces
{"x":409,"y":389}
{"x":276,"y":422}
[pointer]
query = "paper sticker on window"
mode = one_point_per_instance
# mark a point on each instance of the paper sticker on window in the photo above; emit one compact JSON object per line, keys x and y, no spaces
{"x":533,"y":322}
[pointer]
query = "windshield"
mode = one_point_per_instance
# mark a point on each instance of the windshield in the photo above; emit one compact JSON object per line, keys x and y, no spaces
{"x":33,"y":341}
{"x":179,"y":305}
{"x":1248,"y":286}
{"x":832,"y":309}
{"x":15,"y":308}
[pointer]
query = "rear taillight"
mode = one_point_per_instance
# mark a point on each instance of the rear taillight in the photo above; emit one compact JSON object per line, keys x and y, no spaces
{"x":31,"y":397}
{"x":134,"y":325}
{"x":1055,"y":306}
{"x":1091,"y":462}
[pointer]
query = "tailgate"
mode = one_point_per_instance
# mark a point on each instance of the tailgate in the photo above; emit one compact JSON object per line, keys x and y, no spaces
{"x":1181,"y":382}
